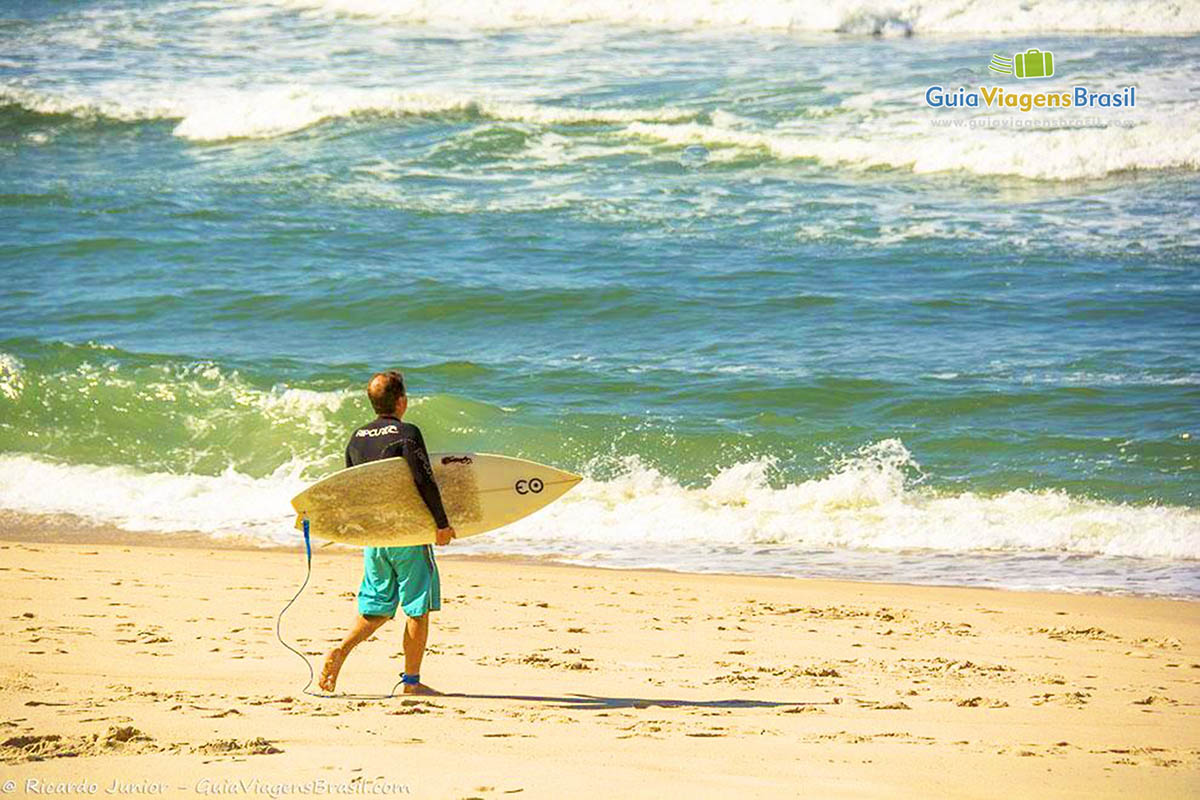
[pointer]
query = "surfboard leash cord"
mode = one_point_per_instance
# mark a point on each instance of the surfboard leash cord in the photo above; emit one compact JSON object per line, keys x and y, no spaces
{"x":296,"y":596}
{"x":308,"y":664}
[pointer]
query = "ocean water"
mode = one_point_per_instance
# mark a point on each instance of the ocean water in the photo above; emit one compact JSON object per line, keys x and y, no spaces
{"x":720,"y":258}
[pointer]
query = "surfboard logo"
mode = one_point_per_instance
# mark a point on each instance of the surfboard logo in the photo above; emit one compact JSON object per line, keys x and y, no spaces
{"x":531,"y":486}
{"x":456,"y":460}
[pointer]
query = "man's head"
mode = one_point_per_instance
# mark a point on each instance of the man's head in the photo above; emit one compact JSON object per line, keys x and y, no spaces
{"x":386,"y":390}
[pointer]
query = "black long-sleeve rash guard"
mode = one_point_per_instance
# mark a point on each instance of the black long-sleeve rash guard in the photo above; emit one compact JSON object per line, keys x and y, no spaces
{"x":387,"y":437}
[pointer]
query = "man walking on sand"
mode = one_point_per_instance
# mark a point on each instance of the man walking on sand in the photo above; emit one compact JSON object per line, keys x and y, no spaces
{"x":395,"y":577}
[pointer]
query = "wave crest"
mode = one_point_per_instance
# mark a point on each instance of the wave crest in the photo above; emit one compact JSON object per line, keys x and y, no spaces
{"x":222,"y":114}
{"x":872,"y":501}
{"x":1062,"y":154}
{"x":1163,"y":142}
{"x":863,"y":17}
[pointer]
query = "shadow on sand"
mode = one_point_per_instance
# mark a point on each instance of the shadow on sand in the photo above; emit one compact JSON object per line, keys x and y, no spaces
{"x":586,"y":702}
{"x":591,"y":702}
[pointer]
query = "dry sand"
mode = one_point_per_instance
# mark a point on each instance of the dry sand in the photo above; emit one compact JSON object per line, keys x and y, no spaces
{"x":159,"y":668}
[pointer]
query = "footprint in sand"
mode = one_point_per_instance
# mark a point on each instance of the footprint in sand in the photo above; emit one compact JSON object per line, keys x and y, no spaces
{"x":877,"y":705}
{"x":39,"y":747}
{"x":1072,"y":634}
{"x":979,"y":702}
{"x":1071,"y":699}
{"x":235,"y":747}
{"x":229,"y":712}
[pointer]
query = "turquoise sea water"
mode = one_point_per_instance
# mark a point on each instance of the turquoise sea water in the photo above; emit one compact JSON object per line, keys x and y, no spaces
{"x":735,"y":271}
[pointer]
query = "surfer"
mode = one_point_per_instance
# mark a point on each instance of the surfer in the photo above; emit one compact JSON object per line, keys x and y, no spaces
{"x":404,"y":578}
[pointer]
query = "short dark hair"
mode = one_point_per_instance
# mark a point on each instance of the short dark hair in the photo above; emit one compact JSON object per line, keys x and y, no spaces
{"x":385,"y":390}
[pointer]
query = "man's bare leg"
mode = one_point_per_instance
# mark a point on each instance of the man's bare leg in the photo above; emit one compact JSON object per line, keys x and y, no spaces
{"x":362,"y":630}
{"x":416,"y":633}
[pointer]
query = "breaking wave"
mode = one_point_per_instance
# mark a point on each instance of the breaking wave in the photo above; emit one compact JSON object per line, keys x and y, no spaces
{"x":221,"y":114}
{"x":861,"y":17}
{"x":872,"y":501}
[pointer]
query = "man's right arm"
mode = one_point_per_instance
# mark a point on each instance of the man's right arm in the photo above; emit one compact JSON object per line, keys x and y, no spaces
{"x":422,"y":472}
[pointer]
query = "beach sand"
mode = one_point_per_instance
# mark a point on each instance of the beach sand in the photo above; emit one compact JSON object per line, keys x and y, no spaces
{"x":159,"y":668}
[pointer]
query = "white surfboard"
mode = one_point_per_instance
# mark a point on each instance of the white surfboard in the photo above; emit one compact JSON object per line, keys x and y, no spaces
{"x":377,"y":504}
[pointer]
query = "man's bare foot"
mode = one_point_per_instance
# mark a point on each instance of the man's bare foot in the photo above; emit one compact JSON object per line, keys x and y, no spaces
{"x":329,"y":672}
{"x":419,"y":688}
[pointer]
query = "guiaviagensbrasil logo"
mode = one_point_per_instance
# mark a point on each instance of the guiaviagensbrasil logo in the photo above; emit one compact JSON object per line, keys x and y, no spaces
{"x":1032,"y":63}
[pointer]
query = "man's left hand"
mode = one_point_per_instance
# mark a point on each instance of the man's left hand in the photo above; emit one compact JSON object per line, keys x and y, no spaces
{"x":444,"y":535}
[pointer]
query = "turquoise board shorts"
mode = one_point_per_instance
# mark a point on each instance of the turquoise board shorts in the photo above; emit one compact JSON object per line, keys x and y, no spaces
{"x":399,"y":577}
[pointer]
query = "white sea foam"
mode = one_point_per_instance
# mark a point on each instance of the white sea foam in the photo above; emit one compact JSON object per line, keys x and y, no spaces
{"x":289,"y":405}
{"x":1163,"y":142}
{"x":864,"y":17}
{"x":219,"y":113}
{"x":222,"y":505}
{"x":867,"y":504}
{"x":871,"y":502}
{"x":272,"y":112}
{"x":895,"y":132}
{"x":1062,"y":154}
{"x":12,"y":376}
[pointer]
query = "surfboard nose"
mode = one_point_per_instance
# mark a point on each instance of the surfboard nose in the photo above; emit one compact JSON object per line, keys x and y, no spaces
{"x":549,"y":482}
{"x":529,"y":481}
{"x":553,"y":475}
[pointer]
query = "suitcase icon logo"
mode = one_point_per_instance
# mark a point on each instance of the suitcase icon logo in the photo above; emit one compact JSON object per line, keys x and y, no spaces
{"x":1033,"y":63}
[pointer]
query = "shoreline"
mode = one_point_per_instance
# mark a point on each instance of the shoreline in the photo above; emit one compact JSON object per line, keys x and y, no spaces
{"x":65,"y":529}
